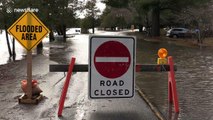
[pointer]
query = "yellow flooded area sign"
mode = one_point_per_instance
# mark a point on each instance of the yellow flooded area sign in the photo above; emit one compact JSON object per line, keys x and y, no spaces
{"x":28,"y":30}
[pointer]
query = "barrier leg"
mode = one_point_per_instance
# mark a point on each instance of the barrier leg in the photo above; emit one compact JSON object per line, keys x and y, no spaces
{"x":172,"y":91}
{"x":65,"y":88}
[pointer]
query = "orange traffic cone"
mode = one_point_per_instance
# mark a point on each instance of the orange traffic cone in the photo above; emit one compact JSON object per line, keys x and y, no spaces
{"x":35,"y":88}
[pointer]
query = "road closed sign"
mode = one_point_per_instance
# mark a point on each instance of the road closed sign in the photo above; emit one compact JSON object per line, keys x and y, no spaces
{"x":28,"y":30}
{"x":111,"y":66}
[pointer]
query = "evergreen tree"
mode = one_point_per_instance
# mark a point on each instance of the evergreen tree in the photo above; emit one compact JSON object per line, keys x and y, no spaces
{"x":92,"y":13}
{"x":152,"y":9}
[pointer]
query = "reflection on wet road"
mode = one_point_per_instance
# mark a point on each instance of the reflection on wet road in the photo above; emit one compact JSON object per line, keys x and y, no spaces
{"x":79,"y":105}
{"x":194,"y":76}
{"x":194,"y":79}
{"x":20,"y":51}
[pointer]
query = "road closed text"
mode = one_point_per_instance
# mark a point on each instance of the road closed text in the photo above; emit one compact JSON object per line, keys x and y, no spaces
{"x":112,"y":92}
{"x":113,"y":88}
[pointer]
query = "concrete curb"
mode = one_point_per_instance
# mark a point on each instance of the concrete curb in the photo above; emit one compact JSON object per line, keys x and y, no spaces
{"x":152,"y":107}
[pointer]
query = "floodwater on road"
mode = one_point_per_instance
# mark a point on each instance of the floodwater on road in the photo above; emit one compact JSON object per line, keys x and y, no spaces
{"x":19,"y":50}
{"x":194,"y":77}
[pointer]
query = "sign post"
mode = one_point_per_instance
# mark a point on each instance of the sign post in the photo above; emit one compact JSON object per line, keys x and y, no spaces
{"x":29,"y":74}
{"x":112,"y":67}
{"x":29,"y":63}
{"x":28,"y":30}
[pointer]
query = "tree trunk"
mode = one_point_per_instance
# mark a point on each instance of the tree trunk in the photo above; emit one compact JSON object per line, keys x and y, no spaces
{"x":14,"y":50}
{"x":40,"y":48}
{"x":93,"y":25}
{"x":8,"y":43}
{"x":112,"y":28}
{"x":155,"y":22}
{"x":93,"y":30}
{"x":64,"y":33}
{"x":51,"y":36}
{"x":140,"y":28}
{"x":40,"y":45}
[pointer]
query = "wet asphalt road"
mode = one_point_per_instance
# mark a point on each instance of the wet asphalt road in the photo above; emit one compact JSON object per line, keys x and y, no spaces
{"x":194,"y":77}
{"x":109,"y":109}
{"x":77,"y":105}
{"x":194,"y":84}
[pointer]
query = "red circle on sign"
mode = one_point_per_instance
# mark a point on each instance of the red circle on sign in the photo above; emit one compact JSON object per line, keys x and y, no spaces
{"x":112,"y":59}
